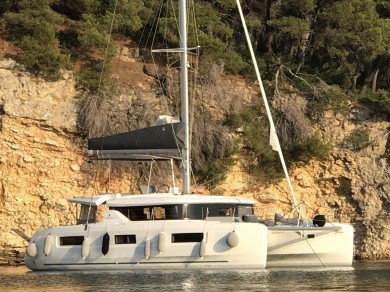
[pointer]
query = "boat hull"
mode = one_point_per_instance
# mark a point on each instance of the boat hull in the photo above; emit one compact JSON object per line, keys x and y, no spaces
{"x":148,"y":253}
{"x":328,"y":246}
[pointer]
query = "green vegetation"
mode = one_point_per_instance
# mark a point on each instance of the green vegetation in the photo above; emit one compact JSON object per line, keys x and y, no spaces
{"x":345,"y":42}
{"x":380,"y":100}
{"x":309,"y":148}
{"x":36,"y":25}
{"x":253,"y":124}
{"x":359,"y":139}
{"x":334,"y":52}
{"x":214,"y":172}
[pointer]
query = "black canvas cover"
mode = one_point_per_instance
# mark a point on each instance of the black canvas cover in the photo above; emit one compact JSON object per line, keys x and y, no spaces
{"x":161,"y":137}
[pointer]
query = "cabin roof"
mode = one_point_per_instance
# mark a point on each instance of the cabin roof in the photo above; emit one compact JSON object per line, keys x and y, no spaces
{"x":95,"y":200}
{"x":125,"y":200}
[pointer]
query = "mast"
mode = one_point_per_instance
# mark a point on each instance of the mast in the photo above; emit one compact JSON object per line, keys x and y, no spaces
{"x":184,"y":95}
{"x":274,"y":140}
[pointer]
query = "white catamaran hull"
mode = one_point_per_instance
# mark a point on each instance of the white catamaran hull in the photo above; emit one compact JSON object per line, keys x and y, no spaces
{"x":154,"y":245}
{"x":330,"y":246}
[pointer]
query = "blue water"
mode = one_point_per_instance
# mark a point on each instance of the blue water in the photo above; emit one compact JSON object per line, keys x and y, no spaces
{"x":364,"y":276}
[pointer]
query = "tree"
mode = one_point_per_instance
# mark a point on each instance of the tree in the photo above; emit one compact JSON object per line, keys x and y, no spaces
{"x":8,"y":5}
{"x":348,"y":39}
{"x":35,"y":26}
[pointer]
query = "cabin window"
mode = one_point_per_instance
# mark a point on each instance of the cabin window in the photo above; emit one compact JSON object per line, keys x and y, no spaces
{"x":244,"y":210}
{"x":87,"y":214}
{"x":140,"y":213}
{"x":125,"y":239}
{"x":158,"y":213}
{"x":184,"y":211}
{"x":187,"y":237}
{"x":71,"y":240}
{"x":173,"y":212}
{"x":195,"y":211}
{"x":228,"y":212}
{"x":200,"y":211}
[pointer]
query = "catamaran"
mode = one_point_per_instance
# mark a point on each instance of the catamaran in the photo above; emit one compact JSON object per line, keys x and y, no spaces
{"x":169,"y":230}
{"x":176,"y":230}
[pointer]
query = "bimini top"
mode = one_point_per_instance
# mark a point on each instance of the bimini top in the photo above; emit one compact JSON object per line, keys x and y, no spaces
{"x":125,"y":200}
{"x":159,"y":142}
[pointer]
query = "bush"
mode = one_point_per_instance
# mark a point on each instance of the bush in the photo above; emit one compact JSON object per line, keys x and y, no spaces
{"x":311,"y":147}
{"x":93,"y":76}
{"x":43,"y":61}
{"x":213,"y":173}
{"x":359,"y":139}
{"x":380,"y":100}
{"x":331,"y":98}
{"x":211,"y":148}
{"x":255,"y":135}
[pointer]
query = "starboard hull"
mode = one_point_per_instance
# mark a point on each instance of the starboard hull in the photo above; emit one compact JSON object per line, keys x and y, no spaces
{"x":328,"y":246}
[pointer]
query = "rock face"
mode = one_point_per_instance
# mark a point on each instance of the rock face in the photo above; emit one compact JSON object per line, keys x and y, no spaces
{"x":40,"y":154}
{"x":42,"y":164}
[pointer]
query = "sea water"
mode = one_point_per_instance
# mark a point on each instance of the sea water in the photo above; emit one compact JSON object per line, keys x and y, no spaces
{"x":363,"y":276}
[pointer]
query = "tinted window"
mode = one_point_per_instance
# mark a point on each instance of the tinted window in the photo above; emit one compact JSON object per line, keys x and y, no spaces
{"x":125,"y":239}
{"x":187,"y":237}
{"x":71,"y":240}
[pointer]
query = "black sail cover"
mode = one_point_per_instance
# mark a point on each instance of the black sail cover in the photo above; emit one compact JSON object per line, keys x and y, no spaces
{"x":168,"y":138}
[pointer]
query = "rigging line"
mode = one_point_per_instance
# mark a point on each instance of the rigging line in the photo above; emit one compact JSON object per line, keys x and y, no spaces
{"x":193,"y":178}
{"x":144,"y":27}
{"x":233,"y":219}
{"x":108,"y":43}
{"x":131,"y":178}
{"x":177,"y":142}
{"x":176,"y":19}
{"x":157,"y":21}
{"x":87,"y":177}
{"x":193,"y":80}
{"x":90,"y":202}
{"x":120,"y":55}
{"x":109,"y":176}
{"x":173,"y":174}
{"x":318,"y":257}
{"x":150,"y":176}
{"x":178,"y":146}
{"x":164,"y":91}
{"x":192,"y":102}
{"x":195,"y":24}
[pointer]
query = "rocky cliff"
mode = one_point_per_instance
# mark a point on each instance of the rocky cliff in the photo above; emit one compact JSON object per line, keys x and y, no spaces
{"x":42,"y":164}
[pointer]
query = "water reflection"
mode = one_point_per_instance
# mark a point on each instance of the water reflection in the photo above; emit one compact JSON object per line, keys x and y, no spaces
{"x":364,"y":276}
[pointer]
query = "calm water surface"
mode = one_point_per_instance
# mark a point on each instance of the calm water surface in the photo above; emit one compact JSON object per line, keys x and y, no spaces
{"x":364,"y":276}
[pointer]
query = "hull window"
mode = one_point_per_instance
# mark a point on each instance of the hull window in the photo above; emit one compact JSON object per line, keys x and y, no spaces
{"x":71,"y":240}
{"x":125,"y":239}
{"x":187,"y":237}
